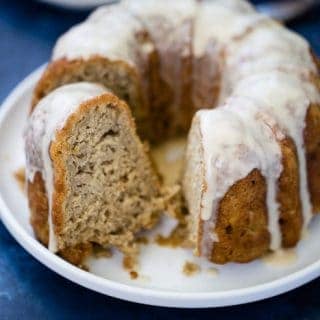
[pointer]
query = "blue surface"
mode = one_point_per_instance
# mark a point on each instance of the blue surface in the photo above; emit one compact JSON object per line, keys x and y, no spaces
{"x":28,"y":290}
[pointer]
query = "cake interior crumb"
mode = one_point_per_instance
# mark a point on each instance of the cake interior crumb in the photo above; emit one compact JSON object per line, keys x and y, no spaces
{"x":133,"y":274}
{"x":190,"y":268}
{"x":100,"y":252}
{"x":130,"y":264}
{"x":142,"y":240}
{"x":177,"y":237}
{"x":20,"y":176}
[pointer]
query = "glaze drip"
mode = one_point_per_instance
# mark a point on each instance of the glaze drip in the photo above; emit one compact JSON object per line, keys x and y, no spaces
{"x":47,"y":118}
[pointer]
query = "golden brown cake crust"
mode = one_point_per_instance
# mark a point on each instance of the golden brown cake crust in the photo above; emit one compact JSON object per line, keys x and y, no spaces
{"x":38,"y":203}
{"x":312,"y":146}
{"x":64,"y":71}
{"x":242,"y":220}
{"x":312,"y":143}
{"x":291,"y":220}
{"x":241,"y":224}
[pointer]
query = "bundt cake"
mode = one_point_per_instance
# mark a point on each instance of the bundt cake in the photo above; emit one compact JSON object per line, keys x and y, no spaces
{"x":247,"y":86}
{"x":89,"y":178}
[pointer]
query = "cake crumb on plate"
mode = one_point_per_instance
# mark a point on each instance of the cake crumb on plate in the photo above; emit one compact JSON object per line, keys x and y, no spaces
{"x":134,"y":274}
{"x":100,"y":252}
{"x":190,"y":268}
{"x":20,"y":176}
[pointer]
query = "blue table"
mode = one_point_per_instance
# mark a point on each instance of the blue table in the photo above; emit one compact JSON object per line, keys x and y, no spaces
{"x":28,"y":290}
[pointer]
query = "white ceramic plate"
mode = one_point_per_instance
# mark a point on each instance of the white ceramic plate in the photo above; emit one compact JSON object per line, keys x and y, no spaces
{"x":161,"y":281}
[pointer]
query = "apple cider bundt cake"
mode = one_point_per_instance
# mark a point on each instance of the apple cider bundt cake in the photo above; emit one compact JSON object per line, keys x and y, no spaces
{"x":246,"y":85}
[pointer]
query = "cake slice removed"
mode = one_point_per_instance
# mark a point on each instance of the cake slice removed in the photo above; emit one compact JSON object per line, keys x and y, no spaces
{"x":90,"y":180}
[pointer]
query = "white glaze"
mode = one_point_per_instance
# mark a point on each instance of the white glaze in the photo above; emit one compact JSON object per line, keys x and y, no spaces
{"x":219,"y":23}
{"x":47,"y":118}
{"x":172,"y":13}
{"x":222,"y":146}
{"x":222,"y":142}
{"x":287,"y":97}
{"x":109,"y":31}
{"x":241,"y":6}
{"x":283,"y":258}
{"x":169,"y":24}
{"x":234,"y":144}
{"x":266,"y":48}
{"x":267,"y":135}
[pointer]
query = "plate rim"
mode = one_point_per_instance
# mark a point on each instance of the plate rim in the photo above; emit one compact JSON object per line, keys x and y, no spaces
{"x":155,"y":297}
